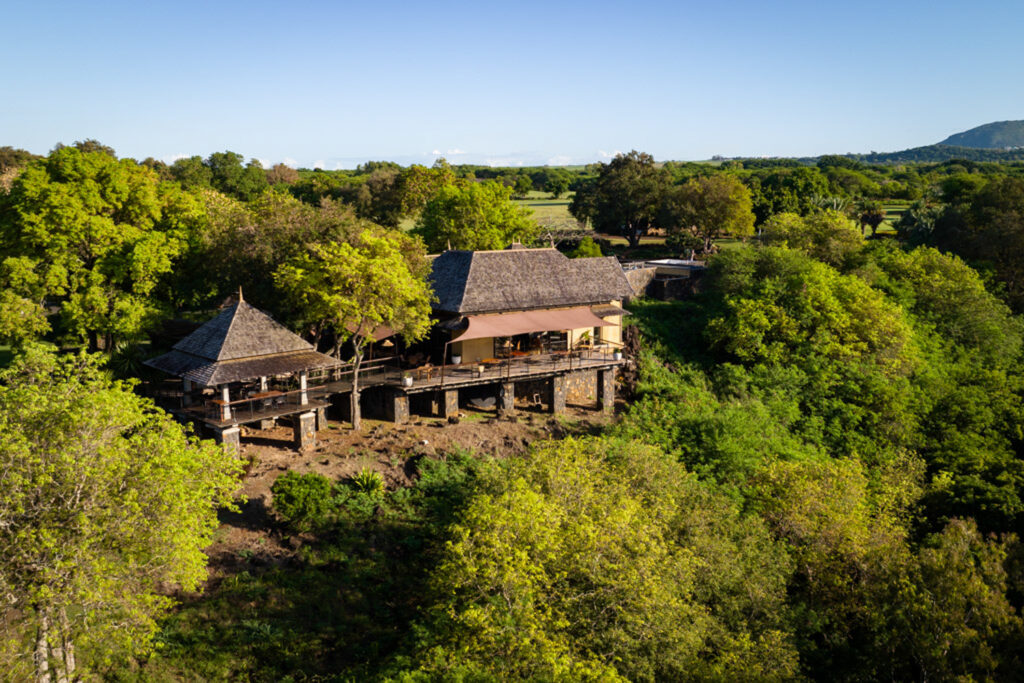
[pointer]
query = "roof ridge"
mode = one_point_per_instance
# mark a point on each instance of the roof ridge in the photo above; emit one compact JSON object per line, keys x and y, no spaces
{"x":227,"y":332}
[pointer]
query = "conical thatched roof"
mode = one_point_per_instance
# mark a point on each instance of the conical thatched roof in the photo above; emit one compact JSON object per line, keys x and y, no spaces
{"x":241,"y":331}
{"x":240,"y":344}
{"x":469,"y":282}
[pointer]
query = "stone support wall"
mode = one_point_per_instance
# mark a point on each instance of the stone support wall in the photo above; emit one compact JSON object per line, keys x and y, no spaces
{"x":558,"y":386}
{"x":305,"y":430}
{"x":397,"y":407}
{"x":230,"y":437}
{"x":449,"y":403}
{"x":606,"y":389}
{"x":507,"y":398}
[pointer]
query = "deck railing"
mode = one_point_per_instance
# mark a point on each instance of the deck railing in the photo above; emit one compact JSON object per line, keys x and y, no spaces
{"x":515,"y":366}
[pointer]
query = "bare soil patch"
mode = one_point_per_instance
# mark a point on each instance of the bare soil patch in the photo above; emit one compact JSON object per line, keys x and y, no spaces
{"x":251,"y":535}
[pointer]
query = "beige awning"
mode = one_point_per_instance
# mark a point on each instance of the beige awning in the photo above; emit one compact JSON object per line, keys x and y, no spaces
{"x":523,"y":322}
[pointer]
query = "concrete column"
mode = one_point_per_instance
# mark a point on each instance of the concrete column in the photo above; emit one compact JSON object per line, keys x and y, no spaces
{"x":269,"y":423}
{"x":305,"y":430}
{"x":558,"y":394}
{"x":263,"y":383}
{"x":225,"y":410}
{"x":186,"y":391}
{"x":449,"y":403}
{"x":303,"y":397}
{"x":606,"y":389}
{"x":507,"y":398}
{"x":397,"y":407}
{"x":229,"y":437}
{"x":321,"y":418}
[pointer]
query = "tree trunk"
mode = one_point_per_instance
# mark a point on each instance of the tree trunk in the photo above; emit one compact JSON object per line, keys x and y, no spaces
{"x":69,"y":645}
{"x":42,"y":653}
{"x":356,"y":412}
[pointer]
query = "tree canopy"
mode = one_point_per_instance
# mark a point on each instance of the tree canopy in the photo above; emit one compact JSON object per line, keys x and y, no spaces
{"x":354,"y":289}
{"x":94,"y":235}
{"x":474,"y":216}
{"x":105,"y":504}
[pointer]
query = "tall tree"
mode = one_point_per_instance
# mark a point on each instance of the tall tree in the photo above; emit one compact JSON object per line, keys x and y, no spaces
{"x":625,"y":197}
{"x":474,"y":216}
{"x":96,"y":236}
{"x":711,"y":206}
{"x":354,"y":289}
{"x":106,"y":505}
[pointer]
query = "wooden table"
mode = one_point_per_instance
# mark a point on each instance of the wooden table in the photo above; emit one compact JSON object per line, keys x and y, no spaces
{"x":267,"y":397}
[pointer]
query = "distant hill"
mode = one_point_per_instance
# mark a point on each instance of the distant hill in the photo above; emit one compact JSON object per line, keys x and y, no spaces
{"x":939,"y":153}
{"x":998,"y":135}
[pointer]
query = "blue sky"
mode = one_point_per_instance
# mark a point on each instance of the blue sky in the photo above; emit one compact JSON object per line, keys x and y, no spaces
{"x":338,"y":83}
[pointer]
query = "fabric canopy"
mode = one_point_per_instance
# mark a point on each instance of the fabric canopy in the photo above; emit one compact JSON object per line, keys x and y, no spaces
{"x":523,"y":322}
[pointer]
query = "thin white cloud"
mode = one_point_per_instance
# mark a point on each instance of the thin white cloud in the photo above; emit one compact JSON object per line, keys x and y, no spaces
{"x":288,"y":161}
{"x":319,"y":163}
{"x":608,"y":155}
{"x":265,"y":163}
{"x":560,"y":160}
{"x":174,"y":157}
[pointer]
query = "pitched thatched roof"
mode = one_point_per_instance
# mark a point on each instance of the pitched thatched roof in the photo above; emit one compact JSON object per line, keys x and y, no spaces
{"x":241,"y":343}
{"x":522,"y":279}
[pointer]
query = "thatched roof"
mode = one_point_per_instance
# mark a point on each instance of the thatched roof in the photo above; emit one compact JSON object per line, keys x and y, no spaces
{"x":241,"y":343}
{"x":522,"y":279}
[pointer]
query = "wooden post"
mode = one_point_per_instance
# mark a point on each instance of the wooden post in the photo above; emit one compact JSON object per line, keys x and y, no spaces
{"x":303,"y":396}
{"x":186,"y":391}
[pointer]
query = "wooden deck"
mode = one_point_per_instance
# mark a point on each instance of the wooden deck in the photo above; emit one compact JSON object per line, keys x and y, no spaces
{"x":275,"y":404}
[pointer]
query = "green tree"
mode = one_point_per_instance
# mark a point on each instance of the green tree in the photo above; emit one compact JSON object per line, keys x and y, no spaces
{"x":870,"y":214}
{"x":230,"y":177}
{"x":625,"y":197}
{"x":557,"y":184}
{"x":419,"y":184}
{"x":587,"y":248}
{"x":523,"y":185}
{"x":475,"y":216}
{"x":105,"y":508}
{"x":828,"y":236}
{"x":96,"y":236}
{"x":712,"y":206}
{"x":192,"y":173}
{"x":602,"y":559}
{"x":354,"y":289}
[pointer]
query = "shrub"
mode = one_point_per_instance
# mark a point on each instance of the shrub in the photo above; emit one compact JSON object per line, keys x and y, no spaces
{"x":305,"y":501}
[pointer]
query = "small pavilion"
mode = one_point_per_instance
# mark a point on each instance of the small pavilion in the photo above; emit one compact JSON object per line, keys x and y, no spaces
{"x":235,"y":354}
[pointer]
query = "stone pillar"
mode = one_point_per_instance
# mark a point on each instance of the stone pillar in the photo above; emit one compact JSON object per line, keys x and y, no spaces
{"x":269,"y":423}
{"x":397,"y":408}
{"x":229,"y":437}
{"x":507,"y":398}
{"x":558,"y":394}
{"x":263,"y":383}
{"x":305,"y":430}
{"x":225,"y":409}
{"x":303,"y":379}
{"x":186,"y":391}
{"x":321,"y":418}
{"x":449,"y":403}
{"x":606,"y":389}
